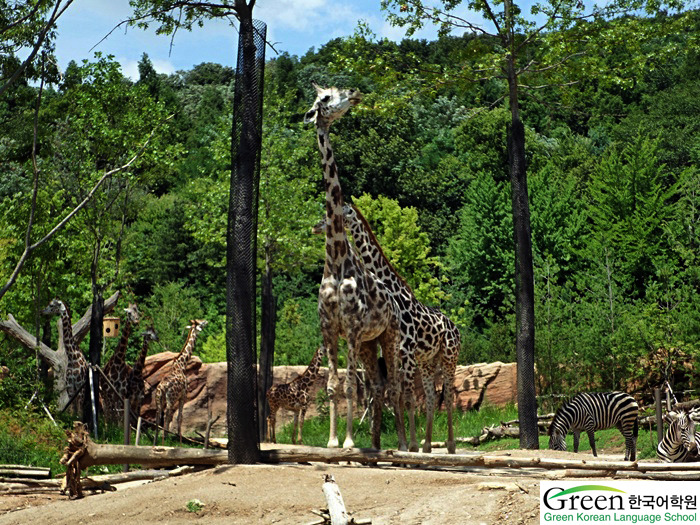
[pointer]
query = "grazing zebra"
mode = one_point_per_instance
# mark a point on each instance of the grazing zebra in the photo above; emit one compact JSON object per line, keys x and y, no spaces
{"x":591,"y":411}
{"x":680,"y":442}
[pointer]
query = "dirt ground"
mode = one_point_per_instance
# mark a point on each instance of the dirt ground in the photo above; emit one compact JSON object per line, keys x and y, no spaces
{"x":287,"y":494}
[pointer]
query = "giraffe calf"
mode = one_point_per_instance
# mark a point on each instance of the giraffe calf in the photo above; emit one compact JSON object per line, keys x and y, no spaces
{"x":293,"y":396}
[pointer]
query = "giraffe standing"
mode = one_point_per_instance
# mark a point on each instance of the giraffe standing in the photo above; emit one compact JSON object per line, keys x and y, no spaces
{"x":352,"y":302}
{"x":429,"y":339}
{"x":137,"y":387}
{"x":173,"y":387}
{"x":77,"y":367}
{"x":293,"y":396}
{"x":117,"y":371}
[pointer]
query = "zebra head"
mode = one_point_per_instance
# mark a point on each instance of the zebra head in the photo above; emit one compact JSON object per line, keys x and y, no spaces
{"x":557,"y":435}
{"x":683,"y":426}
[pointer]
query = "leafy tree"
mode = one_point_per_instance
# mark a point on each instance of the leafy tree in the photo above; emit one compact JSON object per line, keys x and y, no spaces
{"x":629,"y":208}
{"x":524,"y":52}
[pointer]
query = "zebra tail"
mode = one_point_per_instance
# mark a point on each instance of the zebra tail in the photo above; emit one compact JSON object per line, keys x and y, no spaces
{"x":635,"y":429}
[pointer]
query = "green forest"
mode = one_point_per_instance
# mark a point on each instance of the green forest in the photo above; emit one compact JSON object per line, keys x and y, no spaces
{"x":612,"y":148}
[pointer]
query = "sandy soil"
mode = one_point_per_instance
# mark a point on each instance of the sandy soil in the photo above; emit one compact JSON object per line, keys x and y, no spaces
{"x":286,"y":494}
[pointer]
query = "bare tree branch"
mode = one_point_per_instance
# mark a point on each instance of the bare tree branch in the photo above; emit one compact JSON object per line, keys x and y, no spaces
{"x":28,"y":249}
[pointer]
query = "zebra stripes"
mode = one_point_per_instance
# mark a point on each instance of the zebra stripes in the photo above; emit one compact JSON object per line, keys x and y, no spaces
{"x":591,"y":411}
{"x":681,"y":442}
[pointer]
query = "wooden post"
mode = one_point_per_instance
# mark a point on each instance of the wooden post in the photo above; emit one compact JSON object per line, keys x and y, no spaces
{"x":659,"y":415}
{"x":138,"y":431}
{"x":93,"y":403}
{"x":127,"y":428}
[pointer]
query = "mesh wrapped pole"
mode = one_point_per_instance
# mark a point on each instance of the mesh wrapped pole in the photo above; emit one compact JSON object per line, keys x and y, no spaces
{"x":246,"y":140}
{"x":524,"y":290}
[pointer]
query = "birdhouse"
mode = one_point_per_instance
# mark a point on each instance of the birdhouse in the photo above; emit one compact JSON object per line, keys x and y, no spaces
{"x":110,"y":327}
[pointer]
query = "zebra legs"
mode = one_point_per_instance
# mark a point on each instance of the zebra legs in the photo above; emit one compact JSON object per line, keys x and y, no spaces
{"x":591,"y":440}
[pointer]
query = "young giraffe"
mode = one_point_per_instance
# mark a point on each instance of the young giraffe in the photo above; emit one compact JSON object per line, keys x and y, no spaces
{"x":137,"y":386}
{"x":173,"y":387}
{"x":429,"y":339}
{"x":293,"y":396}
{"x":351,"y":301}
{"x":77,"y":367}
{"x":117,"y":371}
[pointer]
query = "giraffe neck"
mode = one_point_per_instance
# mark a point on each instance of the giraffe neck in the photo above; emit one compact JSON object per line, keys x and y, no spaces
{"x":119,"y":357}
{"x":141,"y":360}
{"x":336,"y":239}
{"x":186,"y":352}
{"x":73,"y":353}
{"x":374,"y":257}
{"x":314,"y":365}
{"x":307,"y":378}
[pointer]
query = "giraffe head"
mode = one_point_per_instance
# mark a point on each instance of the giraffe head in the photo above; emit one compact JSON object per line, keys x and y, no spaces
{"x":198,"y":324}
{"x":319,"y":228}
{"x":132,"y":313}
{"x":56,"y":306}
{"x":149,"y":335}
{"x":331,"y":104}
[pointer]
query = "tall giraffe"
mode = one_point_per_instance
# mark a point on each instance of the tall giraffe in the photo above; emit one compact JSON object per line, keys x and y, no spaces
{"x":429,"y":339}
{"x":173,"y":387}
{"x":352,"y":302}
{"x":117,"y":371}
{"x":77,"y":367}
{"x":137,"y":386}
{"x":293,"y":396}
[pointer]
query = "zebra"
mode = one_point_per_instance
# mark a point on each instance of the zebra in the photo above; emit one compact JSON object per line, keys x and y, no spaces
{"x":680,"y":443}
{"x":591,"y":411}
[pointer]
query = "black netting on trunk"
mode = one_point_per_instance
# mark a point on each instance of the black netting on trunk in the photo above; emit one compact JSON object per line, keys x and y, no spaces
{"x":246,"y":140}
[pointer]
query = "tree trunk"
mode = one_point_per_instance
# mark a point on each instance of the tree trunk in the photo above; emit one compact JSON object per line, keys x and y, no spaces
{"x":524,"y":277}
{"x":241,"y":247}
{"x":267,"y":345}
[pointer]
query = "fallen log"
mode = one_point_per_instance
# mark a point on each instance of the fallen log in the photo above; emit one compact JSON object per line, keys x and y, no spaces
{"x":687,"y":405}
{"x":82,"y":452}
{"x":24,"y":471}
{"x":334,"y":500}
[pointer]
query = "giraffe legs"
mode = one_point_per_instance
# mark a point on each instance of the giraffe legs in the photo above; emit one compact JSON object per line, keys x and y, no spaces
{"x":448,"y":379}
{"x":332,"y":390}
{"x":295,"y":424}
{"x":179,"y":414}
{"x":271,"y":421}
{"x":392,"y":350}
{"x":368,"y":357}
{"x":302,"y":414}
{"x":350,"y":391}
{"x":428,"y":378}
{"x":159,"y":413}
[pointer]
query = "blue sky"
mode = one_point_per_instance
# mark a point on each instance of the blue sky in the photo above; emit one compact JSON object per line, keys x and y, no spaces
{"x":293,"y":26}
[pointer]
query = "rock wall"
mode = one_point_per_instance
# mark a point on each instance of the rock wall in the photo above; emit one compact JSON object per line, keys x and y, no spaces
{"x":491,"y":383}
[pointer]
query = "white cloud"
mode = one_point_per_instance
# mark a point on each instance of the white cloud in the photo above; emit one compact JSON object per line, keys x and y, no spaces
{"x":130,"y":67}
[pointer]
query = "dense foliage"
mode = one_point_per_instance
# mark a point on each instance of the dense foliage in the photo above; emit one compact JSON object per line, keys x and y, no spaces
{"x":613,"y":181}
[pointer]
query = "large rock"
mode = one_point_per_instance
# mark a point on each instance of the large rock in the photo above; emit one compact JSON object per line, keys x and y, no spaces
{"x":492,"y":383}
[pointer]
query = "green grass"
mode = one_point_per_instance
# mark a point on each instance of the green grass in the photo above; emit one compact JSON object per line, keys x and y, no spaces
{"x":466,"y":424}
{"x":28,"y":438}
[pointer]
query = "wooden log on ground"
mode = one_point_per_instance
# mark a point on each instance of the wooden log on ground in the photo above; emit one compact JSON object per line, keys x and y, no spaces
{"x":89,"y":453}
{"x":334,"y":500}
{"x":24,"y":471}
{"x":687,"y":405}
